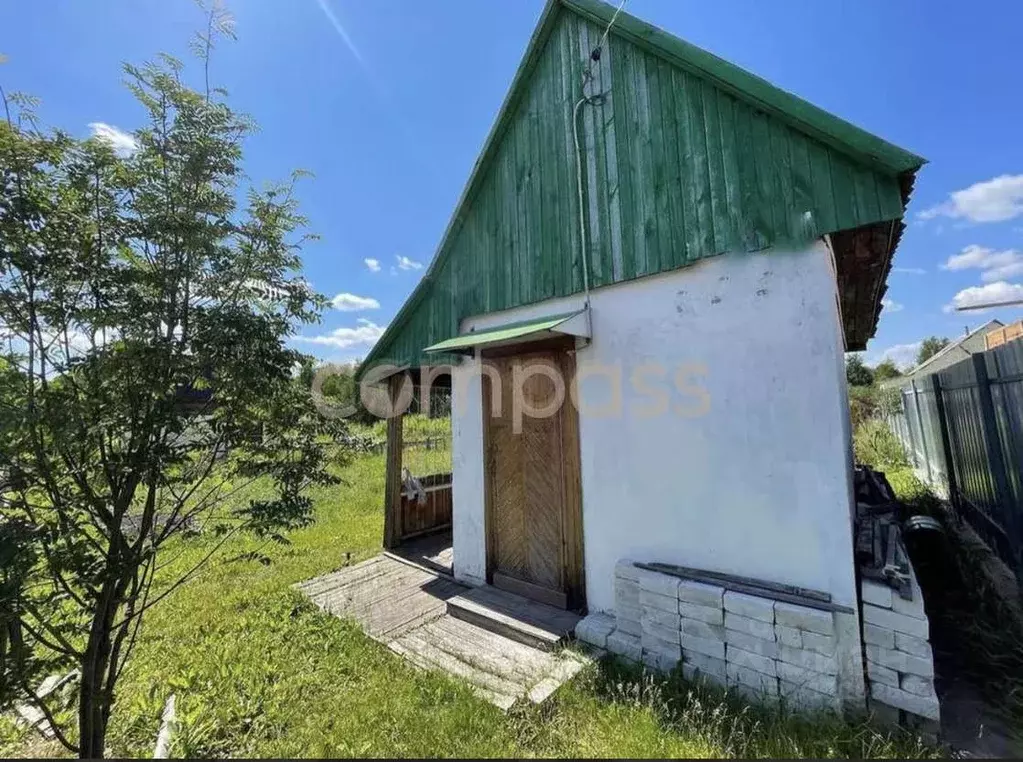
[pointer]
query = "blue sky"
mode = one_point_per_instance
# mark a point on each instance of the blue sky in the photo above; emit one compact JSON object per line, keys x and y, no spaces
{"x":388,"y":102}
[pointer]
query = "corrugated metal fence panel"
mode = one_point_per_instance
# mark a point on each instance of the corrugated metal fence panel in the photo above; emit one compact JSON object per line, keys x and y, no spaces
{"x":675,"y":170}
{"x":1005,"y":370}
{"x":986,"y":468}
{"x":932,"y":435}
{"x":917,"y":453}
{"x":966,"y":435}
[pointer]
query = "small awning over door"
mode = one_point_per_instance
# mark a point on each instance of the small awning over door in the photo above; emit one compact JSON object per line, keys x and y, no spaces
{"x":567,"y":324}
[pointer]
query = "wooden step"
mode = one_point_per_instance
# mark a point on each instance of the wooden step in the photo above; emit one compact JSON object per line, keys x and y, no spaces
{"x":499,"y":669}
{"x":514,"y":617}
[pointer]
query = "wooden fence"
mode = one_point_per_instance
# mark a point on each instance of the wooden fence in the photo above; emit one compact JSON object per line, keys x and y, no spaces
{"x":963,"y":430}
{"x":427,"y":512}
{"x":428,"y":443}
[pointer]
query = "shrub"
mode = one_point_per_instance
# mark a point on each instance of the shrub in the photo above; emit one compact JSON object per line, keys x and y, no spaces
{"x":875,"y":445}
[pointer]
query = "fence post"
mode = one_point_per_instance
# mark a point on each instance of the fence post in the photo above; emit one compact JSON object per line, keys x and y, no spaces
{"x":909,"y":443}
{"x":946,"y":443}
{"x":989,"y":426}
{"x":904,"y":431}
{"x":920,"y":428}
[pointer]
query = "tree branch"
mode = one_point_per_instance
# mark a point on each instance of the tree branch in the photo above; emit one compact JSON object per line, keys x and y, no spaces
{"x":33,"y":697}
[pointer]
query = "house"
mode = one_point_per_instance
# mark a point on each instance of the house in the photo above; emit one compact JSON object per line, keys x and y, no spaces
{"x":1002,"y":334}
{"x":969,"y":344}
{"x":642,"y":303}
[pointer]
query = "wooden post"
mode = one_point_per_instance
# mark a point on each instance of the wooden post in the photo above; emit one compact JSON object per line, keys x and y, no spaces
{"x":946,"y":443}
{"x":392,"y":485}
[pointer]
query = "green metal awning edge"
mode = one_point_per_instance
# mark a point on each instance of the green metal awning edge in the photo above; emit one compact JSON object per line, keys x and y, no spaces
{"x":521,"y":331}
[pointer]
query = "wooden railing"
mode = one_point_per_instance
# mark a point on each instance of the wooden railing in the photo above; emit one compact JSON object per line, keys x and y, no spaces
{"x":430,"y":443}
{"x":429,"y":514}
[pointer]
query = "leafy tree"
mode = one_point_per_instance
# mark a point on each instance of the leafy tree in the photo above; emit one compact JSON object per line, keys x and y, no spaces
{"x":341,"y":395}
{"x":930,"y":347}
{"x":145,"y":306}
{"x":856,"y":373}
{"x":886,"y":370}
{"x":307,"y":371}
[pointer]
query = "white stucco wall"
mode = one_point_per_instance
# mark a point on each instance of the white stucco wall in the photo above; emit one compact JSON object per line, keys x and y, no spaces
{"x":467,"y":485}
{"x":748,"y":476}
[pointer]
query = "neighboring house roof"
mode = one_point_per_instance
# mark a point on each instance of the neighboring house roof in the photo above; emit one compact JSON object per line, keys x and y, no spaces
{"x":953,"y":352}
{"x":687,"y":156}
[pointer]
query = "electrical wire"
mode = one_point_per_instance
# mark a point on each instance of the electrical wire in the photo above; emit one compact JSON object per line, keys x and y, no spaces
{"x":607,"y":31}
{"x":592,"y":100}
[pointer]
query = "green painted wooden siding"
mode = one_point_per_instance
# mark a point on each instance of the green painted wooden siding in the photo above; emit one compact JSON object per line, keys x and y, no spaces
{"x":676,"y":169}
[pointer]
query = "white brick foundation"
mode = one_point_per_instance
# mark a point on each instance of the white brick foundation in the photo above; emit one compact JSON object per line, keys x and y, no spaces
{"x":762,"y":649}
{"x":900,"y":666}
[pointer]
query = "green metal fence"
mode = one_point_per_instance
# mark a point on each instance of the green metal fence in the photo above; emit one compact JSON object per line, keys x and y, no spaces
{"x":963,"y":430}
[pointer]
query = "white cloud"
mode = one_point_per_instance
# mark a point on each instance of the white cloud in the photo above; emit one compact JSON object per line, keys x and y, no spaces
{"x":353,"y":303}
{"x":890,"y":305}
{"x":366,"y":333}
{"x":991,"y":293}
{"x":123,"y":143}
{"x":996,"y":265}
{"x":372,"y":264}
{"x":909,"y":270}
{"x":404,"y":263}
{"x":995,"y":200}
{"x":1011,"y":270}
{"x":903,"y":355}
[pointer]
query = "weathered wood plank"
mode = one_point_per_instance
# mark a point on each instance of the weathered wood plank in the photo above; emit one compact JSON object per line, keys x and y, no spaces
{"x":342,"y":577}
{"x":542,"y":623}
{"x":404,"y":606}
{"x":572,"y":506}
{"x":513,"y":661}
{"x":428,"y":646}
{"x":392,"y":484}
{"x":566,"y":666}
{"x":398,"y":581}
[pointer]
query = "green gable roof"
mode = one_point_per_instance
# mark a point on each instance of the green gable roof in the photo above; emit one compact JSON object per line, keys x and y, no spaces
{"x":798,"y":113}
{"x":687,"y":156}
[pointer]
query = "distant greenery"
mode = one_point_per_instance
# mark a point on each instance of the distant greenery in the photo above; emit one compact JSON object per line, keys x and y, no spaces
{"x":259,"y":672}
{"x":416,"y":427}
{"x":874,"y":444}
{"x":886,"y":370}
{"x":856,"y":372}
{"x":930,"y":347}
{"x":869,"y":402}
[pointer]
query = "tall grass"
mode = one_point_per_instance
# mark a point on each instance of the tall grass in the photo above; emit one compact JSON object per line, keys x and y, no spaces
{"x":874,"y":444}
{"x":415,"y":427}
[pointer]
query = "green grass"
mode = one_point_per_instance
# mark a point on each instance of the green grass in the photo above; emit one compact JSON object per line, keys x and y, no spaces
{"x":260,"y":672}
{"x":415,"y":427}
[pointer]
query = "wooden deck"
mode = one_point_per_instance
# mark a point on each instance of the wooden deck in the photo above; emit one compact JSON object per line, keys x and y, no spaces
{"x":529,"y":622}
{"x":385,"y":595}
{"x":432,"y":551}
{"x":405,"y":606}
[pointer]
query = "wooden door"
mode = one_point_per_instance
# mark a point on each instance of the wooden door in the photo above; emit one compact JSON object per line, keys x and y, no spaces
{"x":533,"y":506}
